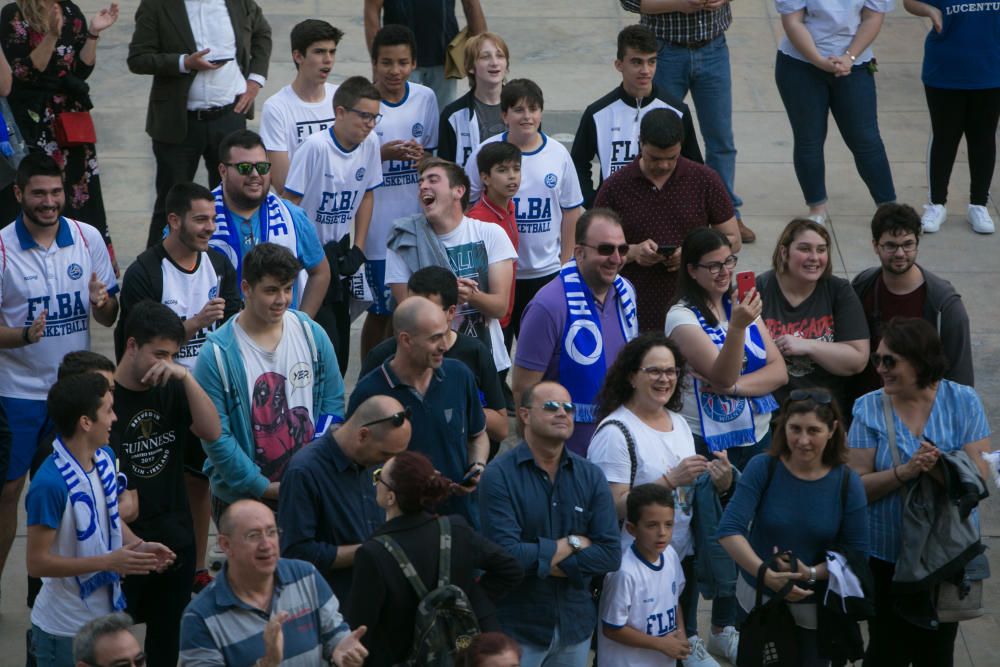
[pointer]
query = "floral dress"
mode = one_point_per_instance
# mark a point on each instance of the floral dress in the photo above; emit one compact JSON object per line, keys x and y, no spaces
{"x":37,"y":97}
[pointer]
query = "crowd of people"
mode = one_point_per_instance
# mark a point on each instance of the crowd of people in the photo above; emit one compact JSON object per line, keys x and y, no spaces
{"x":575,"y":416}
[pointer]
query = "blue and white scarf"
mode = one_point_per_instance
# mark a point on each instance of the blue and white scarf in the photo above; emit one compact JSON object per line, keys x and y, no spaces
{"x":727,"y":421}
{"x":91,"y":539}
{"x":582,"y":362}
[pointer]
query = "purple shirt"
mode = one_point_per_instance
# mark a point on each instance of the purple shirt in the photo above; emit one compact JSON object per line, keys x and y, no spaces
{"x":540,"y":342}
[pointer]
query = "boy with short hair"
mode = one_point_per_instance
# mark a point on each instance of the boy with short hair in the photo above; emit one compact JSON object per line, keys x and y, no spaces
{"x":408,"y":130}
{"x":640,"y":616}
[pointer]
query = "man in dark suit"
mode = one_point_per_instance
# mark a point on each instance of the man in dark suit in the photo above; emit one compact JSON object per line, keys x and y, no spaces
{"x":208,"y":60}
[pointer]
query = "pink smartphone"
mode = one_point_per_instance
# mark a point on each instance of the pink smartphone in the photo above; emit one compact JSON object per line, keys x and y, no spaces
{"x":745,"y":281}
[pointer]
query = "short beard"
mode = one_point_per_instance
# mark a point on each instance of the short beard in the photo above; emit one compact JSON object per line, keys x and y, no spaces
{"x":35,"y":221}
{"x":887,"y":266}
{"x":243,"y":202}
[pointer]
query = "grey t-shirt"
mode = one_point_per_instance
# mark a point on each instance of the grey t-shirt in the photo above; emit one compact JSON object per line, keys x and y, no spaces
{"x":489,"y":118}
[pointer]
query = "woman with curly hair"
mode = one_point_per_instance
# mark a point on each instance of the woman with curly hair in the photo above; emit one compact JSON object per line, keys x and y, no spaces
{"x":640,"y":409}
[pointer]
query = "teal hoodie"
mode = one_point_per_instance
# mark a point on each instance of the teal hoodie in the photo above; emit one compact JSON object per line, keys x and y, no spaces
{"x":231,"y":465}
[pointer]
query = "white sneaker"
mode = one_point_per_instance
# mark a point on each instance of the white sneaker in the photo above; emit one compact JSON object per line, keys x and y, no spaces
{"x":979,"y":218}
{"x":725,"y":644}
{"x":699,"y":655}
{"x":819,"y":218}
{"x":933,"y":217}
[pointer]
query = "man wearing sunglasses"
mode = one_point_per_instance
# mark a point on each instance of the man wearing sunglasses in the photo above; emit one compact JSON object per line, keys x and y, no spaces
{"x":107,"y":641}
{"x":327,"y":506}
{"x":576,"y":325}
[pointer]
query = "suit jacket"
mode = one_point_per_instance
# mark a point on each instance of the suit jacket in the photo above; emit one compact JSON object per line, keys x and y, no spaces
{"x":163,"y":33}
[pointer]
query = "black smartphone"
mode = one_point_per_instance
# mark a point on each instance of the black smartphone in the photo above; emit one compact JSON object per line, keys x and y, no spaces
{"x":470,"y":476}
{"x":666,"y":250}
{"x":220,"y":61}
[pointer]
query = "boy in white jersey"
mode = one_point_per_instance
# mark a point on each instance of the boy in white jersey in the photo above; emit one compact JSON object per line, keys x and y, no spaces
{"x":408,"y":130}
{"x":55,"y":273}
{"x":641,"y":620}
{"x":305,"y":106}
{"x":332,"y":176}
{"x":549,"y":201}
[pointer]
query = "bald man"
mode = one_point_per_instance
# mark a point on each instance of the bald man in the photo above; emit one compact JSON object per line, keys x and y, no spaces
{"x":441,"y":394}
{"x":328,"y":509}
{"x":261,"y":600}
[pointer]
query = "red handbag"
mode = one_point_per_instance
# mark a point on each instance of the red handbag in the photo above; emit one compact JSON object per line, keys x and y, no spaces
{"x":74,"y":128}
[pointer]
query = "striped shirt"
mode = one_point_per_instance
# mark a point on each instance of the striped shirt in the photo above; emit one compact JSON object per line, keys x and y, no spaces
{"x":680,"y":28}
{"x":220,"y":629}
{"x":957,"y":419}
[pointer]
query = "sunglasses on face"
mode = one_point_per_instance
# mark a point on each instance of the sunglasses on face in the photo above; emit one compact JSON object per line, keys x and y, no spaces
{"x":397,"y":419}
{"x":608,"y":249}
{"x":888,"y":361}
{"x":815,"y":395}
{"x":377,"y":479}
{"x":244,"y":168}
{"x":554,"y":406}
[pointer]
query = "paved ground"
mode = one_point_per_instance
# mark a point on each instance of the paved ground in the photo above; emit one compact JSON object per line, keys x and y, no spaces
{"x":567,"y":47}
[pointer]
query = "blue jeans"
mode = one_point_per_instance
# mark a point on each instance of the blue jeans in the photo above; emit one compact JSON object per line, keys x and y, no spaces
{"x":555,"y":655}
{"x":51,"y":650}
{"x":433,"y":77}
{"x":810,"y":95}
{"x":706,"y":75}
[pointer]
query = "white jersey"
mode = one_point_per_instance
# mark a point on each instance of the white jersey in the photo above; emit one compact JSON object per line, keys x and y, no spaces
{"x":415,"y":117}
{"x":186,"y":293}
{"x":286,"y":120}
{"x":643,"y":596}
{"x":332,"y":180}
{"x":549,"y":185}
{"x":55,"y":280}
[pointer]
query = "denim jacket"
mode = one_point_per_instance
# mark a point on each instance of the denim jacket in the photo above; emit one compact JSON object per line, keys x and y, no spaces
{"x":714,"y":568}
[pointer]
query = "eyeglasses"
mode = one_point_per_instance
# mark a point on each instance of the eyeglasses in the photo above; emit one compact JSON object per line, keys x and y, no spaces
{"x":397,"y":419}
{"x":815,"y":395}
{"x":890,"y":248}
{"x":255,"y":536}
{"x":607,"y":249}
{"x":137,"y":661}
{"x":374,"y":118}
{"x":715,"y":267}
{"x":244,"y":168}
{"x":656,"y":373}
{"x":554,"y":406}
{"x":377,"y":479}
{"x":887,"y":360}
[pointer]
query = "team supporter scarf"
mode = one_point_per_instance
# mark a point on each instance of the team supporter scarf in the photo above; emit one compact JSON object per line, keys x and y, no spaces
{"x":727,"y":421}
{"x":91,"y":540}
{"x":582,"y":363}
{"x":275,"y":218}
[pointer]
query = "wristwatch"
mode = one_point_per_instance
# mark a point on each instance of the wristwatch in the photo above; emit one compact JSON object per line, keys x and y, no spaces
{"x":812,"y":577}
{"x":575,"y":543}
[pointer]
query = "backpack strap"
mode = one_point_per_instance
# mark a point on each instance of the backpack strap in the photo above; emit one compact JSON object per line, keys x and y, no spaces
{"x":444,"y":552}
{"x":629,"y":442}
{"x":405,"y":565}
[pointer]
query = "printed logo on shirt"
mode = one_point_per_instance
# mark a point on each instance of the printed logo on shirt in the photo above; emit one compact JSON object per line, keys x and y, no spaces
{"x":66,"y":316}
{"x":622,"y":153}
{"x":74,"y":271}
{"x":145,"y":444}
{"x":359,"y":174}
{"x":213,"y":292}
{"x":300,"y":375}
{"x":417,"y":130}
{"x":533,"y":214}
{"x":551,"y":180}
{"x":400,"y":172}
{"x":337,"y":208}
{"x":661,"y":623}
{"x":304,"y":128}
{"x":33,"y":276}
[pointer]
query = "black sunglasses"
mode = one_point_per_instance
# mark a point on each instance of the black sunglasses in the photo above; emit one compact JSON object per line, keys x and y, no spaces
{"x":820,"y":396}
{"x":608,"y":249}
{"x":553,"y":406}
{"x":244,"y":168}
{"x":397,"y":419}
{"x":887,"y":360}
{"x":378,"y":479}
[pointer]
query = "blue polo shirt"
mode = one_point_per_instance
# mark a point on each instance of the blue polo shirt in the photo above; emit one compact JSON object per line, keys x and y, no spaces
{"x":326,"y":500}
{"x":443,"y":421}
{"x":526,"y":513}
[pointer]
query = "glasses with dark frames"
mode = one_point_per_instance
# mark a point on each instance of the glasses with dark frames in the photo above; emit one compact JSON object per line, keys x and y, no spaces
{"x":607,"y":249}
{"x":890,"y":248}
{"x":374,"y":118}
{"x":137,"y":661}
{"x":397,"y":418}
{"x":715,"y":267}
{"x":245,"y":168}
{"x":656,"y":373}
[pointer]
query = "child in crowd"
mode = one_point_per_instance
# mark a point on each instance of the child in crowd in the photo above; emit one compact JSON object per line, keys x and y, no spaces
{"x":640,"y":617}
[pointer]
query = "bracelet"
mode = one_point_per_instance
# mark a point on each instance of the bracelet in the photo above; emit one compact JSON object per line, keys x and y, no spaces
{"x":896,"y":475}
{"x":670,"y":485}
{"x":91,"y":35}
{"x":848,"y":54}
{"x":24,"y":335}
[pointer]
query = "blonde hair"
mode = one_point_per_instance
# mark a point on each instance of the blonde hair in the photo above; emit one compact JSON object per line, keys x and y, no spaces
{"x":34,"y":12}
{"x":472,"y":47}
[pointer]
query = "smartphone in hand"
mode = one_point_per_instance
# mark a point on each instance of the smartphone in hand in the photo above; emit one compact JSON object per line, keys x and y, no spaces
{"x":745,"y":281}
{"x":666,"y":250}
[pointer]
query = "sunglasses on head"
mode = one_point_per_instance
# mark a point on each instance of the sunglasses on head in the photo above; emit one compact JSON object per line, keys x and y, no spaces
{"x":397,"y":418}
{"x":819,"y":396}
{"x":244,"y":168}
{"x":608,"y":249}
{"x":886,"y":360}
{"x":554,"y":406}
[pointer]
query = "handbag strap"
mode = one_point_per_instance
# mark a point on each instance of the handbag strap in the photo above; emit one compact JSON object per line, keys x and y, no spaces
{"x":890,"y":428}
{"x":782,"y":592}
{"x":629,"y":443}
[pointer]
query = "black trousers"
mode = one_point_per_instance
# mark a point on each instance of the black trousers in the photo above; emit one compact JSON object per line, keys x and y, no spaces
{"x":335,"y":319}
{"x":158,"y":600}
{"x":973,"y":113}
{"x":894,"y":642}
{"x":177,"y":163}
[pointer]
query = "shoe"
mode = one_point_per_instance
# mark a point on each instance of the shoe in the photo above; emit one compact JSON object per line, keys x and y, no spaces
{"x":934,"y":216}
{"x":819,"y":218}
{"x":725,"y":644}
{"x":699,"y":655}
{"x":201,"y":579}
{"x":979,"y":218}
{"x":746,"y":234}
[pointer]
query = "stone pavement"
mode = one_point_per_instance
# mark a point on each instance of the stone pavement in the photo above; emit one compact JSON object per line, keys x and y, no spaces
{"x":567,"y":46}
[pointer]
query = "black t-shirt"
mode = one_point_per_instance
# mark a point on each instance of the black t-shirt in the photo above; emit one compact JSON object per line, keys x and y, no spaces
{"x":433,"y":24}
{"x":149,"y":438}
{"x":470,"y":351}
{"x":832,"y":313}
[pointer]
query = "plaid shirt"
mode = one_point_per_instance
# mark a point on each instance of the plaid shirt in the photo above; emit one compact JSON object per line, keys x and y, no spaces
{"x":681,"y":28}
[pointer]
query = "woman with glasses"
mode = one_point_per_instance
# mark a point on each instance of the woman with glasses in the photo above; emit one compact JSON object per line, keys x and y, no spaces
{"x":801,"y":497}
{"x":639,"y":406}
{"x":925,"y":415}
{"x":814,"y":317}
{"x":408,"y":488}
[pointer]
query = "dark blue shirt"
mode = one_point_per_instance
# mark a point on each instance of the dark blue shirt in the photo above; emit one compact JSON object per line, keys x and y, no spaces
{"x":326,"y":500}
{"x":443,"y":421}
{"x":526,"y":513}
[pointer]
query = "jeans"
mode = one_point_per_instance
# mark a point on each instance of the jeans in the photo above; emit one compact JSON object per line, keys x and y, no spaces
{"x":51,"y":650}
{"x":810,"y":95}
{"x":433,"y":77}
{"x":705,"y":73}
{"x":555,"y":655}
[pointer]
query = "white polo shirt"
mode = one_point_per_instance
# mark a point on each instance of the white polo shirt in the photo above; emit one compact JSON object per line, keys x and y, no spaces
{"x":55,"y":279}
